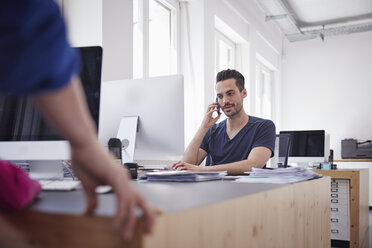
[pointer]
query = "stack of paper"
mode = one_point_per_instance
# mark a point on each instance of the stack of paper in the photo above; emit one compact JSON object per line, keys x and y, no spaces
{"x":280,"y":175}
{"x":155,"y":167}
{"x":184,"y":176}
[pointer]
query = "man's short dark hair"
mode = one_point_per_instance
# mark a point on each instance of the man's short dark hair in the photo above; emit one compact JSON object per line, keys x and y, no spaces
{"x":228,"y":74}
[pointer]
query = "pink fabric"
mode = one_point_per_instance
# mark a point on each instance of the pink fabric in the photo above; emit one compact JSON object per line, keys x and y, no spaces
{"x":16,"y":188}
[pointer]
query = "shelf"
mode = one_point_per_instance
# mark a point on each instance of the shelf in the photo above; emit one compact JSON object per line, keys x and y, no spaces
{"x":353,"y":160}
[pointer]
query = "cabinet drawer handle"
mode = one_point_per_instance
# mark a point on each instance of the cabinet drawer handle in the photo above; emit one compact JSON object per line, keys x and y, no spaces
{"x":334,"y":195}
{"x":334,"y":209}
{"x":334,"y":231}
{"x":334,"y":190}
{"x":334,"y":220}
{"x":334,"y":200}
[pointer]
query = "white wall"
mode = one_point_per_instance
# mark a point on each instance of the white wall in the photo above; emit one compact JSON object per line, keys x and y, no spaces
{"x":103,"y":23}
{"x":83,"y":21}
{"x":117,"y":40}
{"x":327,"y":85}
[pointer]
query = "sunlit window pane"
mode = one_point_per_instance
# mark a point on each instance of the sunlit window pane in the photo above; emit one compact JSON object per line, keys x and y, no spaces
{"x":225,"y":52}
{"x":223,"y":56}
{"x":263,"y":92}
{"x":160,"y":37}
{"x":137,"y":42}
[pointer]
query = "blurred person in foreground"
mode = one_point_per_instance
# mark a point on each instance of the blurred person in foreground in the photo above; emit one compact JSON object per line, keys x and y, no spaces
{"x":36,"y":60}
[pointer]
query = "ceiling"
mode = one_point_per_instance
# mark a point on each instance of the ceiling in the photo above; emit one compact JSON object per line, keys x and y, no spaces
{"x":310,"y":19}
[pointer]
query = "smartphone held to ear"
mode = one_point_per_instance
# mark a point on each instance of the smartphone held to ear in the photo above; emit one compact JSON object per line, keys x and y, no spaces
{"x":218,"y":107}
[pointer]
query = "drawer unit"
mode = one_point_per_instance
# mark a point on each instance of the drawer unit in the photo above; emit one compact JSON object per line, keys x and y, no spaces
{"x":340,"y":234}
{"x":349,"y":188}
{"x":340,"y":209}
{"x":339,"y":196}
{"x":339,"y":190}
{"x":339,"y":201}
{"x":336,"y":221}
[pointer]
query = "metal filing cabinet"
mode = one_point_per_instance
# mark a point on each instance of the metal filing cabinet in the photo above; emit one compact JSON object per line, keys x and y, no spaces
{"x":340,"y":209}
{"x":355,"y":202}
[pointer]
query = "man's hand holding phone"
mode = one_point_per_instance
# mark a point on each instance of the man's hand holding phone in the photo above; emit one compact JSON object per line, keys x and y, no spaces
{"x":218,"y":107}
{"x":209,"y":120}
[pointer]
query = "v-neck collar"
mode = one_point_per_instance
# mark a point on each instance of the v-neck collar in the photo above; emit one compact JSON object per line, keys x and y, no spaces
{"x":227,"y":136}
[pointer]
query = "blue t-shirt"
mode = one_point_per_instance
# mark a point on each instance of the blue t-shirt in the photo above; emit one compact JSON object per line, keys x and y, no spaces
{"x":221,"y":149}
{"x":34,"y":54}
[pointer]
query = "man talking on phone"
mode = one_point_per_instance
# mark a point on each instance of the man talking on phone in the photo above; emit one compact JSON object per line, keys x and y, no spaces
{"x":235,"y":145}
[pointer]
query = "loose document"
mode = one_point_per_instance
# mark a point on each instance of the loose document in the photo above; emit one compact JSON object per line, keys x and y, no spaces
{"x":184,"y":176}
{"x":280,"y":175}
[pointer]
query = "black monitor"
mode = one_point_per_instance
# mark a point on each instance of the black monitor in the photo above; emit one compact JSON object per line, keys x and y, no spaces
{"x":24,"y":135}
{"x":307,"y":146}
{"x":21,"y":121}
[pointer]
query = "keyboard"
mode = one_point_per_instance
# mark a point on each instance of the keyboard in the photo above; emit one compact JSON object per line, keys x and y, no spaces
{"x":59,"y":185}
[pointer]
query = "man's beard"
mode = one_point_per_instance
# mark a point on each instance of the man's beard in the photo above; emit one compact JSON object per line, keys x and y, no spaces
{"x":239,"y":108}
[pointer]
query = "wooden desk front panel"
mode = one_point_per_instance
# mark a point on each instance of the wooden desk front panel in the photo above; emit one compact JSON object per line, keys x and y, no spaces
{"x":293,"y":216}
{"x":30,"y":229}
{"x":296,"y":215}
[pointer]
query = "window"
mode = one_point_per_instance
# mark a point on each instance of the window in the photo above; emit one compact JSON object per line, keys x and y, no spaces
{"x":263,"y":91}
{"x":154,"y":40}
{"x":137,"y":40}
{"x":225,"y":52}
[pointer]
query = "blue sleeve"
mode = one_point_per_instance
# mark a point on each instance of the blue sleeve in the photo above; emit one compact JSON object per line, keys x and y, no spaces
{"x":266,"y":136}
{"x":35,"y":55}
{"x":205,"y":143}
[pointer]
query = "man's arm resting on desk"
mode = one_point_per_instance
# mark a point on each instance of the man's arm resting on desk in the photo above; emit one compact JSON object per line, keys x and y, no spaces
{"x":257,"y":158}
{"x":194,"y":154}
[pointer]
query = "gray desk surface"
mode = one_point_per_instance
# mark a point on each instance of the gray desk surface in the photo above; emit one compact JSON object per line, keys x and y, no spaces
{"x":169,"y":196}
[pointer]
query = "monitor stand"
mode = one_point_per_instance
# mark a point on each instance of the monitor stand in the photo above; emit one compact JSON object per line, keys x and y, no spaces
{"x":46,"y":169}
{"x":304,"y":164}
{"x":127,"y":134}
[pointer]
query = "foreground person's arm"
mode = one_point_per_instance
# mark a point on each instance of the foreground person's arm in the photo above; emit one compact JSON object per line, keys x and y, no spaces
{"x":67,"y":111}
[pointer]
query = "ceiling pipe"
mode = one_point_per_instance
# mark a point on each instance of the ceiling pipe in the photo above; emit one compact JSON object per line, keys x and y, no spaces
{"x":337,"y":25}
{"x":275,"y":17}
{"x":278,"y":11}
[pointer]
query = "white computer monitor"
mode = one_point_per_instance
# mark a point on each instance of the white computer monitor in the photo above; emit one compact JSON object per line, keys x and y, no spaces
{"x":25,"y":137}
{"x":308,"y":146}
{"x":159,"y":104}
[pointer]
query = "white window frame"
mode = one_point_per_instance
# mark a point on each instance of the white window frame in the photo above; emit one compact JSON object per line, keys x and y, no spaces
{"x":268,"y":74}
{"x":144,"y":25}
{"x":220,"y":37}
